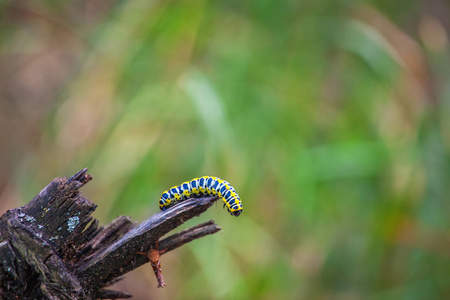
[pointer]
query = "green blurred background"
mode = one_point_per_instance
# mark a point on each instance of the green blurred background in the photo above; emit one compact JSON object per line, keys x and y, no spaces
{"x":330,"y":118}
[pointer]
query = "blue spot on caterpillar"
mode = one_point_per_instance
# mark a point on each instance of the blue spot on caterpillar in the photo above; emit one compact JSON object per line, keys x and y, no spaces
{"x":203,"y":186}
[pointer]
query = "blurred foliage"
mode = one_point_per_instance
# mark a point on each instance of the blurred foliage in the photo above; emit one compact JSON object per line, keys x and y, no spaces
{"x":330,"y":118}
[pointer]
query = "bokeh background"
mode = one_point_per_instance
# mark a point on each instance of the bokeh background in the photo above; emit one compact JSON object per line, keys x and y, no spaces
{"x":330,"y":118}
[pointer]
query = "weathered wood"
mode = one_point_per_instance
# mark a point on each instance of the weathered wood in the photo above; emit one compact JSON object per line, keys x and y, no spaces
{"x":115,"y":260}
{"x":110,"y":294}
{"x":52,"y":248}
{"x":179,"y":239}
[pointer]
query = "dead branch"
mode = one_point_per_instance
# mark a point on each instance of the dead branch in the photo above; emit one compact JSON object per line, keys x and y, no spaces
{"x":52,"y":248}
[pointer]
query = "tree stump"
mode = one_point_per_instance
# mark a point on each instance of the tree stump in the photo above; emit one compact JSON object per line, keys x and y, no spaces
{"x":52,"y":248}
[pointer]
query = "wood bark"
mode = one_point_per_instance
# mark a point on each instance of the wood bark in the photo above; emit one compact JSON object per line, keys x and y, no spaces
{"x":52,"y":248}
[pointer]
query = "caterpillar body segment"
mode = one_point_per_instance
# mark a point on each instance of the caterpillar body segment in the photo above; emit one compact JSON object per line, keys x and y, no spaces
{"x":203,"y":186}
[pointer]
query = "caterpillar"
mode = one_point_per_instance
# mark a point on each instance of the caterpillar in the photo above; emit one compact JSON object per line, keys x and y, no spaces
{"x":203,"y":186}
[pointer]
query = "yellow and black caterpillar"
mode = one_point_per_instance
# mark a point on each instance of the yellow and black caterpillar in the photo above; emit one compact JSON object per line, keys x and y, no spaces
{"x":203,"y":186}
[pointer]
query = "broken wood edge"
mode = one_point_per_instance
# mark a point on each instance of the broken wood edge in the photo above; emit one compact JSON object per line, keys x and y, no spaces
{"x":34,"y":239}
{"x":90,"y":257}
{"x":183,"y":237}
{"x":120,"y":257}
{"x":170,"y":243}
{"x":81,"y":177}
{"x":179,"y":239}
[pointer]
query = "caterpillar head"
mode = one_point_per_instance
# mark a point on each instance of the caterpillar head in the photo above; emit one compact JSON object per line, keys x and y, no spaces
{"x":236,"y":213}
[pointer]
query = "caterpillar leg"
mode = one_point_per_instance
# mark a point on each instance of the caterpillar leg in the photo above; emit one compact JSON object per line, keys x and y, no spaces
{"x":155,"y":261}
